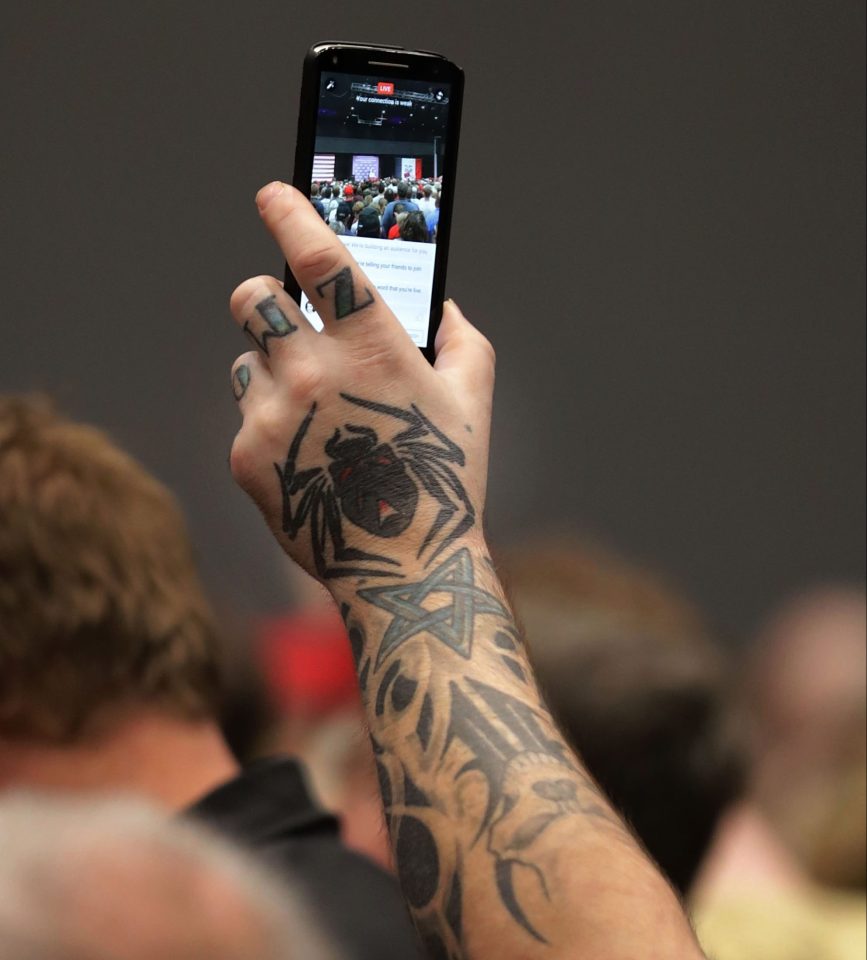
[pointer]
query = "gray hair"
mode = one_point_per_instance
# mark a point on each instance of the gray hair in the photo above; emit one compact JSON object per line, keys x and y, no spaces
{"x":111,"y":878}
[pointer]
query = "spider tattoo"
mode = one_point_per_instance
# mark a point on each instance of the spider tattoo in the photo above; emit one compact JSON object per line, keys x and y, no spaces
{"x":375,"y":486}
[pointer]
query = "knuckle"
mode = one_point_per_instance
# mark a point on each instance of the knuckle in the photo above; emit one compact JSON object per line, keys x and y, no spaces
{"x":269,"y":424}
{"x":250,"y":289}
{"x":304,"y":382}
{"x":241,"y":460}
{"x":317,"y":261}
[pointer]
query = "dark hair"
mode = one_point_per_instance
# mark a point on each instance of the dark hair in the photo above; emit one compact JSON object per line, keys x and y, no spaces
{"x":368,"y":222}
{"x":641,"y":693}
{"x":403,"y":189}
{"x":414,"y":227}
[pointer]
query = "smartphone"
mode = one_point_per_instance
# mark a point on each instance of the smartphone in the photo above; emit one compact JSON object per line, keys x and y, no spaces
{"x":377,"y":153}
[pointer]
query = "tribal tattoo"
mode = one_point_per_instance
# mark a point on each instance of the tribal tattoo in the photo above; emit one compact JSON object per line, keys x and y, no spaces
{"x":277,"y":324}
{"x":374,"y":485}
{"x":448,"y":724}
{"x":343,"y":289}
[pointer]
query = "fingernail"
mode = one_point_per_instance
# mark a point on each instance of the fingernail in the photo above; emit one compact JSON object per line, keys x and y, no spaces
{"x":267,"y":194}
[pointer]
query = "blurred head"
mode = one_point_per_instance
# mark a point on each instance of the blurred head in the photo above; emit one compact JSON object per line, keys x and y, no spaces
{"x":807,"y":690}
{"x":101,"y":609}
{"x":110,"y":879}
{"x":638,"y":689}
{"x":368,"y":222}
{"x":403,"y":190}
{"x":414,"y":227}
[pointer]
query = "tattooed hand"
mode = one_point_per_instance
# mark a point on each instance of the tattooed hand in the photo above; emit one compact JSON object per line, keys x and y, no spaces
{"x":359,"y":454}
{"x":370,"y":466}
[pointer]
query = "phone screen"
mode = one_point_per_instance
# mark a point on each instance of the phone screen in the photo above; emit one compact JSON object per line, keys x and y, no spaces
{"x":377,"y":179}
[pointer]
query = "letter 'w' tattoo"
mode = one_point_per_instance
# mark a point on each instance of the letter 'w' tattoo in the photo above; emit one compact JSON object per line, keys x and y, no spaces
{"x":472,"y":768}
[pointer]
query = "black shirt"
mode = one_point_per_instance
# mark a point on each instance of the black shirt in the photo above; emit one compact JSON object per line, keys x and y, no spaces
{"x":268,"y":809}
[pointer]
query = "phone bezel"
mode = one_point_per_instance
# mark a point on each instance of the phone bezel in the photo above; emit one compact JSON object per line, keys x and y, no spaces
{"x":390,"y":62}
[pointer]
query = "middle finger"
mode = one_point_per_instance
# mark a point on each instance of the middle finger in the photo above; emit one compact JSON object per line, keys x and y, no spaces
{"x":324,"y":268}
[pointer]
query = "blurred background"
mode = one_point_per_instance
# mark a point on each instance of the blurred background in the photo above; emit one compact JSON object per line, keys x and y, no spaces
{"x":659,"y":222}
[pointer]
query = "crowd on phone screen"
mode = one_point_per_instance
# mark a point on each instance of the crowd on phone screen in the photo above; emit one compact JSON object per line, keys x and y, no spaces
{"x":389,"y":209}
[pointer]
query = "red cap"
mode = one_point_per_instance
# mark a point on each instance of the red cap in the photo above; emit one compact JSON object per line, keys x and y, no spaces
{"x":349,"y":190}
{"x":307,"y":662}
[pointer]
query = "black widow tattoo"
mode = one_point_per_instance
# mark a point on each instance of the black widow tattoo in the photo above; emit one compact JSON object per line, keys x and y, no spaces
{"x":375,"y":486}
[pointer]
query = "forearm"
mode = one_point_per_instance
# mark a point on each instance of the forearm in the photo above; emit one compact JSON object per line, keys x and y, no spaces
{"x":369,"y":465}
{"x":502,"y":841}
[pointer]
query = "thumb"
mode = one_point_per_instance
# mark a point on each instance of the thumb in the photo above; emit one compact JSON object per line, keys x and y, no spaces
{"x":464,"y":356}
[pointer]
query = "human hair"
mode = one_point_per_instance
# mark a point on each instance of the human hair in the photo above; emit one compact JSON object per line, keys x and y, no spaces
{"x":114,"y":879}
{"x":389,"y":194}
{"x":629,"y":672}
{"x":414,"y":227}
{"x":403,"y":190}
{"x":100,"y":605}
{"x":368,"y":222}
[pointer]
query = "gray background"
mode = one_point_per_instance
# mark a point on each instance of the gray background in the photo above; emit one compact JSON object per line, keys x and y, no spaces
{"x":659,"y":222}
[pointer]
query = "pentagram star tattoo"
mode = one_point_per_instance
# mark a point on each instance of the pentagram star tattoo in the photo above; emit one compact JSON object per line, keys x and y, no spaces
{"x":452,"y":623}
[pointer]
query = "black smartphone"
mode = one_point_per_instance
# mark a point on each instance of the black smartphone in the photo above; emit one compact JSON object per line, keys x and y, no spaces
{"x":377,"y":154}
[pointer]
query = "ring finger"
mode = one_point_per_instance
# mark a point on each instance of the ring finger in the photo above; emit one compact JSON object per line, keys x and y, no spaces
{"x":269,"y":316}
{"x":251,"y":378}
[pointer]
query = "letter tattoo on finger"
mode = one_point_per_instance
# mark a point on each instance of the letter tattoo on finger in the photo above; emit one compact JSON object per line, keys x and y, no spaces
{"x":240,"y":381}
{"x":345,"y":302}
{"x":278,"y":324}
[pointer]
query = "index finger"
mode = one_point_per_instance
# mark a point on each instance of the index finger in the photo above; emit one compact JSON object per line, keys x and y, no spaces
{"x":324,"y":268}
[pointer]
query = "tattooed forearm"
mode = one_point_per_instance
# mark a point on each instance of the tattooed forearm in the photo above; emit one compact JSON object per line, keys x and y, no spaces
{"x":277,"y":324}
{"x":373,"y":484}
{"x":342,"y":288}
{"x":472,"y":769}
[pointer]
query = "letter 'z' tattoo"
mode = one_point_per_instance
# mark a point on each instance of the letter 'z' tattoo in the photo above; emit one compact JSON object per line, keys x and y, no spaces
{"x":277,"y":324}
{"x":469,"y":761}
{"x":373,"y":485}
{"x":344,"y":294}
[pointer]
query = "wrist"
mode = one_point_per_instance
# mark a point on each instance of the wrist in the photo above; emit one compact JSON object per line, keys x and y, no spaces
{"x":409,"y":569}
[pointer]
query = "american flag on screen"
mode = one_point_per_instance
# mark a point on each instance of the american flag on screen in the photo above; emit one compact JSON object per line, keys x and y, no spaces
{"x":323,"y":166}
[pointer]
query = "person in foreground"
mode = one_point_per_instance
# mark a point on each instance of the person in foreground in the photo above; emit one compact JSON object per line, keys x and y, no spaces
{"x":370,"y":467}
{"x":109,"y":878}
{"x":111,"y":674}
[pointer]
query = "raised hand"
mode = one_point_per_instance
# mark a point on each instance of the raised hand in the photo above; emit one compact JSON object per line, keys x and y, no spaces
{"x":369,"y":465}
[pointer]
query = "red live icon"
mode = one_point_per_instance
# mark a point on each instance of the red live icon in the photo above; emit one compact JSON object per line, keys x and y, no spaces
{"x":385,"y":89}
